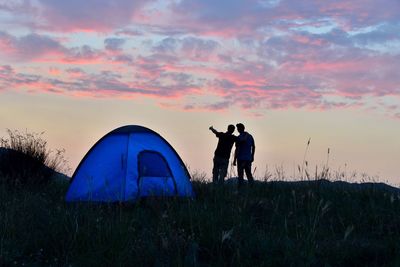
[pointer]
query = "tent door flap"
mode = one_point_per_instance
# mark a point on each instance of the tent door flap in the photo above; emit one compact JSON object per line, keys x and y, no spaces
{"x":155,"y":176}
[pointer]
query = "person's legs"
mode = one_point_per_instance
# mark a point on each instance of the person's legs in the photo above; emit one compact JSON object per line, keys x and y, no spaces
{"x":215,"y":170}
{"x":247,"y":169}
{"x":223,"y":170}
{"x":240,"y":170}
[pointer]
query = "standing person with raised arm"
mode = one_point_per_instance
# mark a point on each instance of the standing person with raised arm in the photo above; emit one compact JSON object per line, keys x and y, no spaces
{"x":244,"y":154}
{"x":222,"y":153}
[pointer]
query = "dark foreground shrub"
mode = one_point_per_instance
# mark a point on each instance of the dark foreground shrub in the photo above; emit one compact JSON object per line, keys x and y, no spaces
{"x":26,"y":160}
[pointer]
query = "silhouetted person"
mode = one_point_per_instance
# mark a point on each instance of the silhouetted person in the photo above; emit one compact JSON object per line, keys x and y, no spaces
{"x":244,"y":154}
{"x":222,"y":153}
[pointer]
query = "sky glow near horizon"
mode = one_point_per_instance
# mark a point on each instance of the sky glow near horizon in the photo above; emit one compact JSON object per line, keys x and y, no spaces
{"x":289,"y":70}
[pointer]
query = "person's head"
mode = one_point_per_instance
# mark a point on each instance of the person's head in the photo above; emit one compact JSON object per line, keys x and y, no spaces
{"x":240,"y":127}
{"x":231,"y":128}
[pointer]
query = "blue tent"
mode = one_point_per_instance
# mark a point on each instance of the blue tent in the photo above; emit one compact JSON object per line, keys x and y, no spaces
{"x":128,"y":163}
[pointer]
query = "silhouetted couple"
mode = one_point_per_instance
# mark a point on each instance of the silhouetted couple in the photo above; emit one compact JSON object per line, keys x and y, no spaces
{"x":243,"y":157}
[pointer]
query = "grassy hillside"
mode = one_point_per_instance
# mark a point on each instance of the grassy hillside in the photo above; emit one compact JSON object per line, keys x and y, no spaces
{"x":270,"y":224}
{"x":316,"y":223}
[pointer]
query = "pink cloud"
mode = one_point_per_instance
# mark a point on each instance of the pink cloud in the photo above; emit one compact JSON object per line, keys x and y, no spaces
{"x":83,"y":55}
{"x":28,"y":47}
{"x":211,"y":55}
{"x":54,"y":71}
{"x":190,"y":48}
{"x":42,"y":48}
{"x":102,"y":84}
{"x":89,"y":15}
{"x":237,"y":18}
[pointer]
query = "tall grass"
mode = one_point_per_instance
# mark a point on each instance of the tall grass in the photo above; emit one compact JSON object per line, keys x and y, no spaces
{"x":269,"y":224}
{"x":26,"y":159}
{"x":274,"y":223}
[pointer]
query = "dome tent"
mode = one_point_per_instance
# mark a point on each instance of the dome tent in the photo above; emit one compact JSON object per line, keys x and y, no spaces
{"x":127,"y":163}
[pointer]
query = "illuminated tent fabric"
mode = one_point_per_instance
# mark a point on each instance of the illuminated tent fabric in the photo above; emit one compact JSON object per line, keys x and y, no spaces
{"x":128,"y":163}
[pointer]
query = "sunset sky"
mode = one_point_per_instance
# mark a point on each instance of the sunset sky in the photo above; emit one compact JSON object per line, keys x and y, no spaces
{"x":289,"y":70}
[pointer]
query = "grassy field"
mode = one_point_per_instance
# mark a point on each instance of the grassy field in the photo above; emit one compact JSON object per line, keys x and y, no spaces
{"x":269,"y":224}
{"x":308,"y":223}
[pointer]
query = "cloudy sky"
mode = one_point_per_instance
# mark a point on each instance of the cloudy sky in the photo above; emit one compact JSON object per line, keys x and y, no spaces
{"x":289,"y":70}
